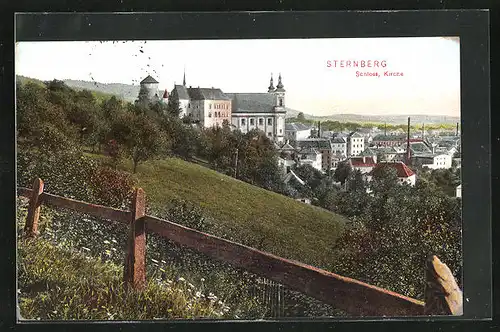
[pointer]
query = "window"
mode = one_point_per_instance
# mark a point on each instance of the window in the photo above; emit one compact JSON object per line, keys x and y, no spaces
{"x":189,"y":105}
{"x":281,"y":102}
{"x":269,"y":134}
{"x":215,"y":114}
{"x":209,"y":114}
{"x":261,"y":122}
{"x":252,"y":122}
{"x":281,"y":131}
{"x":209,"y":106}
{"x":242,"y":122}
{"x":269,"y":122}
{"x":219,"y":114}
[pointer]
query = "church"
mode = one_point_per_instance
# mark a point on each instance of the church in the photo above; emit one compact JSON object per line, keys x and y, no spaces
{"x":243,"y":111}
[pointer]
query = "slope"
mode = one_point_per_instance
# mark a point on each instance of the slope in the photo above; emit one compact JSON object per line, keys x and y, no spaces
{"x":245,"y":213}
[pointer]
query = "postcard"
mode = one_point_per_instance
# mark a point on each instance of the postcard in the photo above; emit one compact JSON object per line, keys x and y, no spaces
{"x":239,"y":179}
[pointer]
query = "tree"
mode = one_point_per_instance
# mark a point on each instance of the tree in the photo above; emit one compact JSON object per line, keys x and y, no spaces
{"x":173,"y":105}
{"x":140,"y":137}
{"x":356,"y":182}
{"x":398,"y":229}
{"x":342,"y":172}
{"x":143,"y":97}
{"x":41,"y":122}
{"x":301,"y":117}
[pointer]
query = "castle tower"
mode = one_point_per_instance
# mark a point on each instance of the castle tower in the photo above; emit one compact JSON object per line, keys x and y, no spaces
{"x":149,"y":89}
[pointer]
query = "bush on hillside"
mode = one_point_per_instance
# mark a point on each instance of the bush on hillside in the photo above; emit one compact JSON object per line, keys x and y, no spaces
{"x":111,"y":187}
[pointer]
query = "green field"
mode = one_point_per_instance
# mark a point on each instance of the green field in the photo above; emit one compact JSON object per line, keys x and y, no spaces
{"x":248,"y":214}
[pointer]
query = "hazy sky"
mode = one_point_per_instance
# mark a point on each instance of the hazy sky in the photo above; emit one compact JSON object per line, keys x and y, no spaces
{"x":430,"y":83}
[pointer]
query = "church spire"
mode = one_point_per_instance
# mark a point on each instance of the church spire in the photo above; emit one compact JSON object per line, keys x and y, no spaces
{"x":280,"y":86}
{"x":271,"y":84}
{"x":184,"y":79}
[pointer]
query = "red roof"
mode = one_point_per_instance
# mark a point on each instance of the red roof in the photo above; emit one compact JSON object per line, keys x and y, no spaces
{"x":363,"y":162}
{"x":402,"y":170}
{"x":165,"y":94}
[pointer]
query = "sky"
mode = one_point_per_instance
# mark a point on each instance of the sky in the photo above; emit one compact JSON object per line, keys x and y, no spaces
{"x":430,"y":67}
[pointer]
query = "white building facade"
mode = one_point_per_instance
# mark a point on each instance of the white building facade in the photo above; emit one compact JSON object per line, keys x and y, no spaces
{"x":355,"y":144}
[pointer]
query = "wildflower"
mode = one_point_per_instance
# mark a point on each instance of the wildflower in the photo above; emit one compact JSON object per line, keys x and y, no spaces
{"x":106,"y":241}
{"x":198,"y":294}
{"x":154,"y":261}
{"x":191,"y":285}
{"x":86,"y":249}
{"x":202,"y":279}
{"x":114,"y":249}
{"x":181,"y":279}
{"x":164,"y":262}
{"x":114,"y":241}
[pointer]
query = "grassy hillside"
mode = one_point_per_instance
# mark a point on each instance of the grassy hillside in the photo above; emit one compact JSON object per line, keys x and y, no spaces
{"x":93,"y":289}
{"x":243,"y":212}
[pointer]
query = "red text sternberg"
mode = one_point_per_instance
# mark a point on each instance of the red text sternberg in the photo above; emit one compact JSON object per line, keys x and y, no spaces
{"x":356,"y":63}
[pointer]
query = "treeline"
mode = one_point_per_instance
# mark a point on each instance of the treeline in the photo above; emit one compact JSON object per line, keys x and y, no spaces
{"x":338,"y":126}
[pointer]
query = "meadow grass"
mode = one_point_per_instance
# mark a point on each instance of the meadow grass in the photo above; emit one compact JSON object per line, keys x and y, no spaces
{"x":243,"y":212}
{"x":94,"y":289}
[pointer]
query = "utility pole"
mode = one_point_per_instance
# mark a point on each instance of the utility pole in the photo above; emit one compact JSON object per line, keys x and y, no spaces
{"x":408,"y":151}
{"x":236,"y":164}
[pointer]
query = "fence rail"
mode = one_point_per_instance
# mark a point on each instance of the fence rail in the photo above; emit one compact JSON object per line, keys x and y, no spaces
{"x":353,"y":296}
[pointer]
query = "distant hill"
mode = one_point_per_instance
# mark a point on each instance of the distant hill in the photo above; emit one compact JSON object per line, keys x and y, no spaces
{"x":390,"y":119}
{"x":126,"y":92}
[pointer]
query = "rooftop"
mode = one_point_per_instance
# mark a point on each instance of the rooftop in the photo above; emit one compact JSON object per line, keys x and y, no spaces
{"x":207,"y":94}
{"x":252,"y":102}
{"x":362,"y":162}
{"x":149,"y":79}
{"x":402,"y":170}
{"x":296,"y":126}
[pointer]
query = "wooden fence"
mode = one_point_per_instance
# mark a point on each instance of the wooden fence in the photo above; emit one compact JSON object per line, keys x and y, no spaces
{"x":353,"y":296}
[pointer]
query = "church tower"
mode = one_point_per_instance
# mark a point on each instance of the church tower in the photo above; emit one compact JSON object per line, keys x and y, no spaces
{"x":280,"y":93}
{"x":279,"y":110}
{"x":271,"y":85}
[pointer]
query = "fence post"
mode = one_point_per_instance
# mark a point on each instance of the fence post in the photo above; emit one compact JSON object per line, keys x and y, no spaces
{"x":31,"y":226}
{"x":135,"y":261}
{"x":442,"y":294}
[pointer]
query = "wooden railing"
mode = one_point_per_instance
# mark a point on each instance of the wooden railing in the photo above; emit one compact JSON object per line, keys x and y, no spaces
{"x":353,"y":296}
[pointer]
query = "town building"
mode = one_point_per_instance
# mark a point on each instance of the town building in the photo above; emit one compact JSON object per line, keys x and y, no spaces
{"x":312,"y":157}
{"x":323,"y":145}
{"x":403,"y":172}
{"x":355,"y":144}
{"x":297,"y":131}
{"x":433,"y":161}
{"x":339,"y":146}
{"x":363,"y":164}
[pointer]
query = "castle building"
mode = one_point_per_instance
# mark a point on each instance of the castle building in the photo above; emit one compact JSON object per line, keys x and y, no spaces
{"x":244,"y":111}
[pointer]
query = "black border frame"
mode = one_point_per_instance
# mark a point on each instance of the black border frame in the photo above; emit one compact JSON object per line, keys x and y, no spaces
{"x":471,"y":26}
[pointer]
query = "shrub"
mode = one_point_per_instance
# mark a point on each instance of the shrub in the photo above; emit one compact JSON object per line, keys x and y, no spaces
{"x":111,"y":187}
